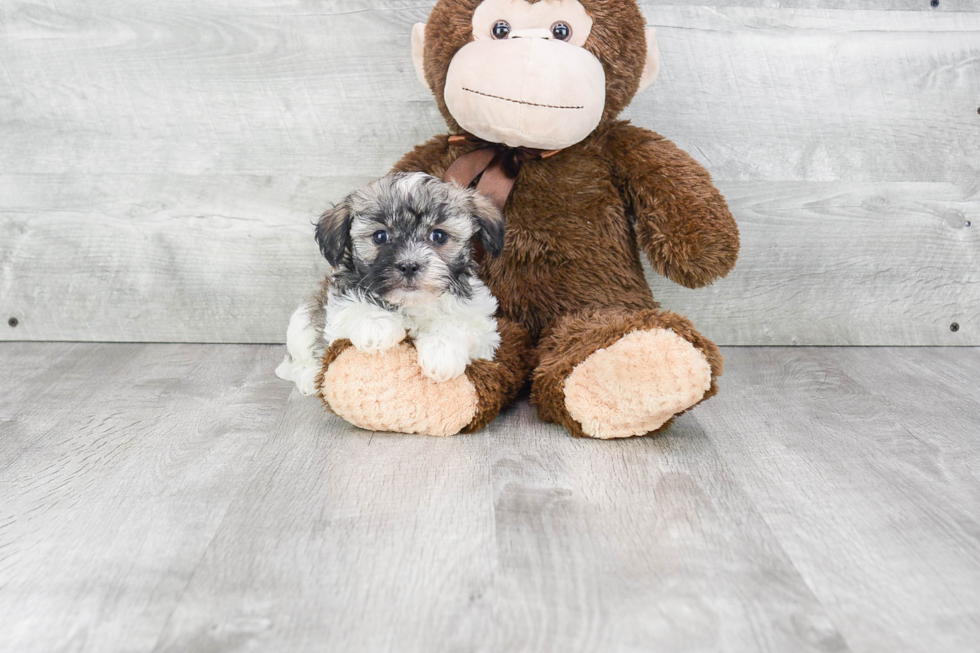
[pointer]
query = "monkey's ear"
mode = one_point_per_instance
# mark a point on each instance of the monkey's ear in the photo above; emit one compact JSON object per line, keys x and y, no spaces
{"x":418,"y":52}
{"x":491,"y":222}
{"x":652,"y":66}
{"x":333,"y":233}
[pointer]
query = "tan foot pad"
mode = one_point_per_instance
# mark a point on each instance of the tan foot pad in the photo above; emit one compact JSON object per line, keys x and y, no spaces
{"x":635,"y":385}
{"x":387,"y":392}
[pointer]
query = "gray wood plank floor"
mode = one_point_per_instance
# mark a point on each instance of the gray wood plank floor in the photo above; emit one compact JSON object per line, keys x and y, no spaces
{"x":181,"y":498}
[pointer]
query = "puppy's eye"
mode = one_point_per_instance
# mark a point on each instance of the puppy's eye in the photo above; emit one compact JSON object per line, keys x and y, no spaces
{"x":438,"y":236}
{"x":381,"y":237}
{"x":500,"y":29}
{"x":561,"y":31}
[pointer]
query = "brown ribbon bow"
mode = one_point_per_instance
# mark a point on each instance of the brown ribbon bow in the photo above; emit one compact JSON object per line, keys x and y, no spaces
{"x":496,"y":165}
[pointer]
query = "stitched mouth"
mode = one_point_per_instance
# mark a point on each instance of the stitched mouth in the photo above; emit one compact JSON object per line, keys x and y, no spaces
{"x":530,"y":104}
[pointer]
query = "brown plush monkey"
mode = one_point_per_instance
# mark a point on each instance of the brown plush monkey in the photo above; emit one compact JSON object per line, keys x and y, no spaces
{"x":535,"y":87}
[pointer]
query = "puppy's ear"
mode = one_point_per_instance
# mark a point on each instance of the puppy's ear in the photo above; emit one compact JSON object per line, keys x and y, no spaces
{"x":491,"y":222}
{"x":333,"y":233}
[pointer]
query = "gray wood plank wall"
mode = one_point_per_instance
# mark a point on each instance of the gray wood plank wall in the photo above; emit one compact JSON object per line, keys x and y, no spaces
{"x":161,"y":162}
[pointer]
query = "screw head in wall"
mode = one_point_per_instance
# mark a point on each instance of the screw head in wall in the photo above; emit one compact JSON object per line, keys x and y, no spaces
{"x":12,"y":322}
{"x":934,"y":3}
{"x":954,"y":327}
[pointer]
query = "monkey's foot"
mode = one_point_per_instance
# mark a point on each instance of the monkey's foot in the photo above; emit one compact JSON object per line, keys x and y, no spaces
{"x":637,"y":384}
{"x":388,"y":392}
{"x":613,"y":372}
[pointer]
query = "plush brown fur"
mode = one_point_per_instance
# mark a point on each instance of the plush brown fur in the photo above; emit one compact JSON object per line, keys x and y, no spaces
{"x":570,"y":274}
{"x":575,"y":337}
{"x":497,"y":382}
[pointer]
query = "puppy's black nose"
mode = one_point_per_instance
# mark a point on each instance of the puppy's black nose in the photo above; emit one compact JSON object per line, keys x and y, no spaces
{"x":408,"y":268}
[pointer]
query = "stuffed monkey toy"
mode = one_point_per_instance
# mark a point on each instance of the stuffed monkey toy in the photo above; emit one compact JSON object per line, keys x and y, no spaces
{"x":531,"y":91}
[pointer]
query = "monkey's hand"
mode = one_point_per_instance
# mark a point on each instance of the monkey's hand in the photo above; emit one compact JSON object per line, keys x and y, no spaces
{"x":682,"y":221}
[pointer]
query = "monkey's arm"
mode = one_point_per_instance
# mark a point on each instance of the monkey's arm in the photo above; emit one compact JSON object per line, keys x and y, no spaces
{"x":682,"y":221}
{"x":432,"y":157}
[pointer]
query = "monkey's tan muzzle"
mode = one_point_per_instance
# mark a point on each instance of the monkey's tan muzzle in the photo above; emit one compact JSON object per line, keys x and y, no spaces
{"x":526,"y":92}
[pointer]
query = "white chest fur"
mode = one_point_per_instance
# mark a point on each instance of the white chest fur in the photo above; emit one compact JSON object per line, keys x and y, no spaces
{"x":448,"y":332}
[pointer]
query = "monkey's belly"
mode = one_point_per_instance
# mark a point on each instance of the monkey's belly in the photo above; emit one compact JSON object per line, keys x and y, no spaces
{"x":537,"y":290}
{"x":569,"y":245}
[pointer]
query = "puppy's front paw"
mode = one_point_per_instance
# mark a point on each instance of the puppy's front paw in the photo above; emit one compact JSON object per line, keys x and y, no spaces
{"x":441,"y":360}
{"x":378,"y":334}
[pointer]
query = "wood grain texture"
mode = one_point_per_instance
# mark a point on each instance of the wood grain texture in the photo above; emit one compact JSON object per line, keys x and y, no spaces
{"x":665,"y":552}
{"x":117,"y":468}
{"x":488,"y":543}
{"x":188,"y":504}
{"x":768,"y":94}
{"x":350,"y":541}
{"x":170,"y":258}
{"x":162,"y":161}
{"x":864,"y":464}
{"x":839,"y":263}
{"x":60,"y":371}
{"x":819,"y":95}
{"x":180,"y":498}
{"x":876,"y":5}
{"x":822,"y":263}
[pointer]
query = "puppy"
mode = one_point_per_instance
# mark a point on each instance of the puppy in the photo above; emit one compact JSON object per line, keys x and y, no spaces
{"x":401,"y":257}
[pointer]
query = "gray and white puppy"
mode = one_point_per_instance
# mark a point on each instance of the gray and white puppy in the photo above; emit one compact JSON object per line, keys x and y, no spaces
{"x":402,"y":265}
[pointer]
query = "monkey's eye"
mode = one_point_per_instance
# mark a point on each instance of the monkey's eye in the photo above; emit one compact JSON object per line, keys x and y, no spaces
{"x":438,"y":236}
{"x":561,"y":31}
{"x":380,"y":237}
{"x":500,"y":29}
